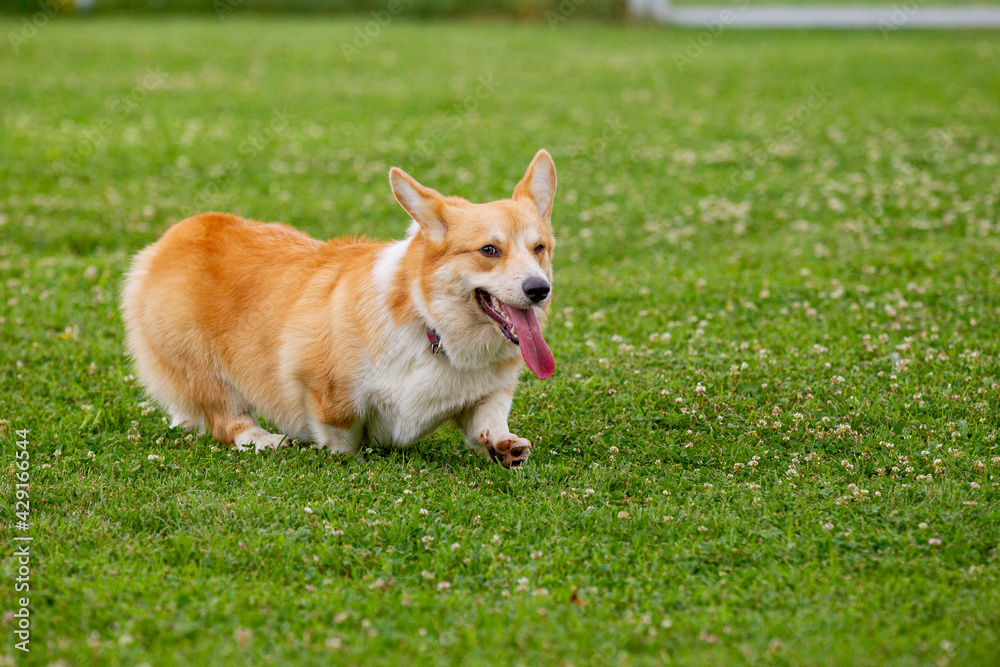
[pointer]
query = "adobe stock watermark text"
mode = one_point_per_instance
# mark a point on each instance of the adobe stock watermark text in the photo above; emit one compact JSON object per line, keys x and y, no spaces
{"x":22,"y":542}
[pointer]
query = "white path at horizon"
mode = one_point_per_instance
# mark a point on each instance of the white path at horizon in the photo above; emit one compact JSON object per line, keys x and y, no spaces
{"x":902,"y":15}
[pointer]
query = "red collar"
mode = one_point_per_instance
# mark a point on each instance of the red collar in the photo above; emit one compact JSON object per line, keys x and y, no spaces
{"x":435,"y":340}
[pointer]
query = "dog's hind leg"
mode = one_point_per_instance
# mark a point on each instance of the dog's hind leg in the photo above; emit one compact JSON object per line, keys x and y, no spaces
{"x":337,"y":440}
{"x":184,"y":420}
{"x":332,"y":420}
{"x":165,"y":384}
{"x":228,"y":415}
{"x":196,"y":397}
{"x":245,"y":433}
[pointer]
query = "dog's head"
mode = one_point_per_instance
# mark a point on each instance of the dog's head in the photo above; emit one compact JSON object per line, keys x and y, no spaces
{"x":486,"y":269}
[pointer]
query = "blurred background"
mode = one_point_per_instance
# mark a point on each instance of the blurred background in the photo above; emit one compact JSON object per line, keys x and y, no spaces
{"x":529,"y":9}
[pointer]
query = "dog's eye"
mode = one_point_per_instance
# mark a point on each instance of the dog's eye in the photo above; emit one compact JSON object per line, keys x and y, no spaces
{"x":540,"y":248}
{"x":489,"y":251}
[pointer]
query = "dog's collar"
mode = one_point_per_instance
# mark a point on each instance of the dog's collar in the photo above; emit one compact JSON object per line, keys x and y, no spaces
{"x":435,"y":340}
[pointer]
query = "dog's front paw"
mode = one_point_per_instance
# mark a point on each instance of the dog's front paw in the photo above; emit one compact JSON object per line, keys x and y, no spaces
{"x":506,"y":448}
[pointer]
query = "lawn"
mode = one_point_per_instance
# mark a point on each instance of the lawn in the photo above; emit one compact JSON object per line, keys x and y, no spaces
{"x":772,"y":432}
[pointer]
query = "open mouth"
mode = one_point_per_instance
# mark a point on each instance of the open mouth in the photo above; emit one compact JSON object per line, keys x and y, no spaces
{"x":521,"y":327}
{"x":496,"y":312}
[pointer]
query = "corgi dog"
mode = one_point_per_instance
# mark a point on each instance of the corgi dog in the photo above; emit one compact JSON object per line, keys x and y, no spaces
{"x":351,"y":340}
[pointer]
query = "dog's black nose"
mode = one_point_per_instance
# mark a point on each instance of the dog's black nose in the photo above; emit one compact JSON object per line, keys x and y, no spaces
{"x":536,"y":288}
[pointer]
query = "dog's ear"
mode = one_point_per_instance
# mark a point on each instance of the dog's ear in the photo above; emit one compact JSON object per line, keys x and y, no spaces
{"x":539,"y":184}
{"x":424,"y":205}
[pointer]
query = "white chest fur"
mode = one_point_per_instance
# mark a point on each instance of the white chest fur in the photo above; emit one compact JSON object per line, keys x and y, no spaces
{"x":407,"y":391}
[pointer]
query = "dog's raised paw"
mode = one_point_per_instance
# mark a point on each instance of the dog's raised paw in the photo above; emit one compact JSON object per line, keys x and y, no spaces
{"x":510,"y":451}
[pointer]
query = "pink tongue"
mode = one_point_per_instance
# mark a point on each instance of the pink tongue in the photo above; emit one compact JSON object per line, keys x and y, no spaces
{"x":536,"y":353}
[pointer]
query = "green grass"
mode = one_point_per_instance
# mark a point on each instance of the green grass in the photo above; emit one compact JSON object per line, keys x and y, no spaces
{"x":775,"y":324}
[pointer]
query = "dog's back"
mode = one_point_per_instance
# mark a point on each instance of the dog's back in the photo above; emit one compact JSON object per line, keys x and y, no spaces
{"x":204,"y":308}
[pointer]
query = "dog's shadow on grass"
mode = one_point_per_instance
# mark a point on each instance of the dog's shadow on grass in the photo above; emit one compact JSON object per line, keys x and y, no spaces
{"x":442,"y":452}
{"x":433,"y":452}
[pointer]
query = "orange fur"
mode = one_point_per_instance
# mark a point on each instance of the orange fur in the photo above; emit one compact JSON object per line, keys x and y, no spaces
{"x":224,"y":287}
